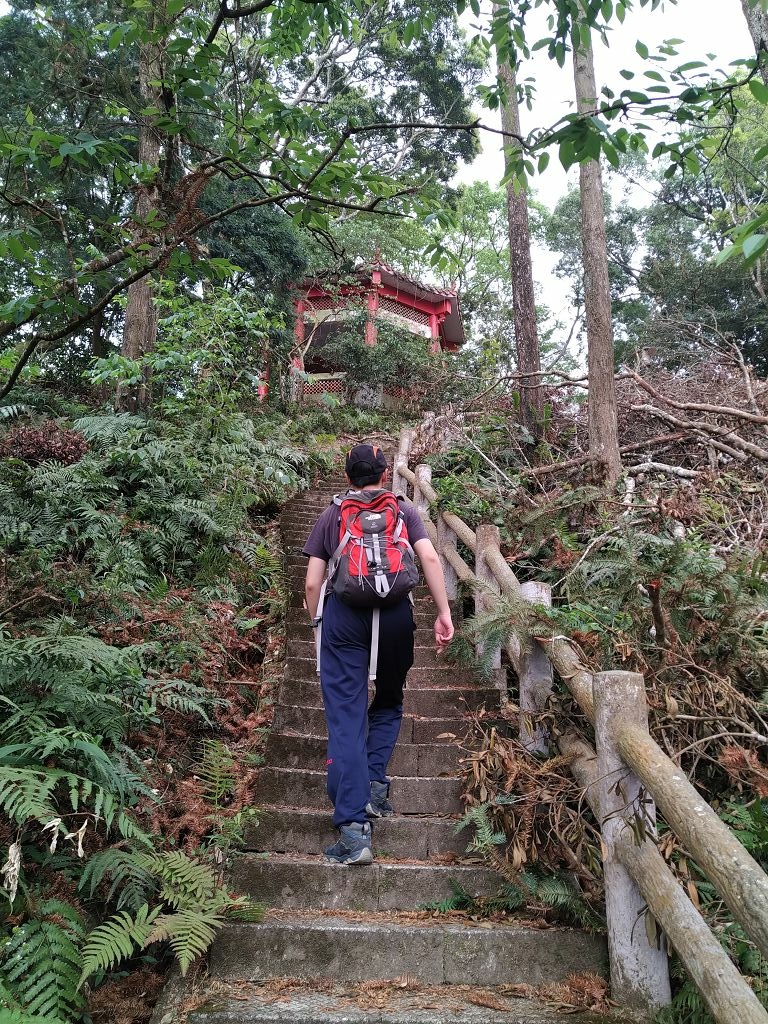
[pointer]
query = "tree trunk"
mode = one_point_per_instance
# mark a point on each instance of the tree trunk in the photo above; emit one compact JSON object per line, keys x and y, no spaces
{"x":603,"y":412}
{"x":757,"y":20}
{"x":521,"y":268}
{"x":140,"y":328}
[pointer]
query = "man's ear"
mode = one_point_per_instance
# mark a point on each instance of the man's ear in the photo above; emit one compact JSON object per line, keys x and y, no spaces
{"x":384,"y":477}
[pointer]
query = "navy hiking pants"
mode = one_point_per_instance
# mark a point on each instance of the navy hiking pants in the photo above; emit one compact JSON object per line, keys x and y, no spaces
{"x":361,"y":738}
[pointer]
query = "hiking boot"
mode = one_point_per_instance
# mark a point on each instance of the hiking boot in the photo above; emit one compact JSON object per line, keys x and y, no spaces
{"x":353,"y":846}
{"x":379,"y":806}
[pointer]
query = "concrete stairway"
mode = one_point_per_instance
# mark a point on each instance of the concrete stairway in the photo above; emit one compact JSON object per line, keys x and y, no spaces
{"x":353,"y":924}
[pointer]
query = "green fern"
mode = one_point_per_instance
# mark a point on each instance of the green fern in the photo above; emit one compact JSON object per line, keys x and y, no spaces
{"x":560,"y":892}
{"x":117,"y":939}
{"x":459,"y":899}
{"x":40,"y":963}
{"x":485,"y":836}
{"x":216,"y":771}
{"x":120,"y":876}
{"x":26,"y":793}
{"x":183,"y":882}
{"x":189,"y":932}
{"x":200,"y":908}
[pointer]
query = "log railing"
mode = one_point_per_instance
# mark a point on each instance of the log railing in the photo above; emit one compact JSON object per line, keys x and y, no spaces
{"x":624,"y":779}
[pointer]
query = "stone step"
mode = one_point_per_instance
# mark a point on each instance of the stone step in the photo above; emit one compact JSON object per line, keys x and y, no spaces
{"x":426,"y":655}
{"x":423,"y":611}
{"x":421,"y":677}
{"x":291,"y":882}
{"x":311,"y":722}
{"x":409,"y":759}
{"x":304,"y":788}
{"x":308,"y":830}
{"x":426,"y":701}
{"x":304,"y":946}
{"x":401,"y":1001}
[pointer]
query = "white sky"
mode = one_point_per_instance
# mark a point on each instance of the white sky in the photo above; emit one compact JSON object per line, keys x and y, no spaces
{"x":707,"y":27}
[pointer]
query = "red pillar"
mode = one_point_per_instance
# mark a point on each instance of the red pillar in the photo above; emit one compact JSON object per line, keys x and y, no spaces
{"x":434,"y":331}
{"x":298,"y":325}
{"x":373,"y":308}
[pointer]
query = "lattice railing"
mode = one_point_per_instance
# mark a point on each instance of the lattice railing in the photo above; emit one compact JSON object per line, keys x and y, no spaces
{"x":393,"y":306}
{"x":316,"y":385}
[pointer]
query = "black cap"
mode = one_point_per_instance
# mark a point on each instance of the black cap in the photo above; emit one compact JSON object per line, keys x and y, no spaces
{"x":365,"y":464}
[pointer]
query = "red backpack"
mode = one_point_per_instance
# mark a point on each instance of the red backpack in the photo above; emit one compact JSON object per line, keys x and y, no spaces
{"x":374,"y":565}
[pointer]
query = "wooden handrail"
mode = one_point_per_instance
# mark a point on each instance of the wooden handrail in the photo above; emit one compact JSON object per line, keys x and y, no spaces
{"x":728,"y":996}
{"x":465,"y":533}
{"x":738,"y":877}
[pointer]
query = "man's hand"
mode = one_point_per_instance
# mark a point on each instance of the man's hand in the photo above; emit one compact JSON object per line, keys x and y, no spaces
{"x":443,"y":630}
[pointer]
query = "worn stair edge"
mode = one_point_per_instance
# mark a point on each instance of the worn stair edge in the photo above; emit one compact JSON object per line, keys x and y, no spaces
{"x":426,"y":701}
{"x":448,"y":675}
{"x":308,"y":830}
{"x":413,"y":729}
{"x":311,"y":1007}
{"x":308,"y":789}
{"x":302,"y":645}
{"x":436,"y":954}
{"x":290,"y":882}
{"x":412,"y":759}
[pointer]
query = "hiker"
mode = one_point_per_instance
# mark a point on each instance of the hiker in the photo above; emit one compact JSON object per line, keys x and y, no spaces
{"x":364,"y":627}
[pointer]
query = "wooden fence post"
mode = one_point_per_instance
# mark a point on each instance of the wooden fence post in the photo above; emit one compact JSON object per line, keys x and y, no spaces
{"x":487,"y":538}
{"x":446,"y":538}
{"x":535,"y":675}
{"x":399,"y":483}
{"x":423,"y":475}
{"x":639,"y":968}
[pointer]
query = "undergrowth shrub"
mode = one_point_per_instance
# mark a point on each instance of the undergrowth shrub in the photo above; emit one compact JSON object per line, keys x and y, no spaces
{"x":138,"y":584}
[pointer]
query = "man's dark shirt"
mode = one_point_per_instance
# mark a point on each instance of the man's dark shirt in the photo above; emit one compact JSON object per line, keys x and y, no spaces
{"x":324,"y":538}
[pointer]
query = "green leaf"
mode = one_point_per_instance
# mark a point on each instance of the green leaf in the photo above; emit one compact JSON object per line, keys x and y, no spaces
{"x":543,"y":162}
{"x":16,"y":249}
{"x":759,"y":91}
{"x":642,"y":49}
{"x":754,"y":246}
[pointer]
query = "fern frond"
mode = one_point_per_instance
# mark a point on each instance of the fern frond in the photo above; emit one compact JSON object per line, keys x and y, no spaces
{"x":41,"y":962}
{"x":27,"y":793}
{"x":215,"y":770}
{"x":183,"y":881}
{"x":127,"y":878}
{"x":116,"y":940}
{"x":190,"y":932}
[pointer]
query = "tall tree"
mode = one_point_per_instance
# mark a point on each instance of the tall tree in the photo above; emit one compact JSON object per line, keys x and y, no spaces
{"x":520,"y":263}
{"x":318,"y":107}
{"x":140,"y":326}
{"x":603,"y":410}
{"x":757,"y":19}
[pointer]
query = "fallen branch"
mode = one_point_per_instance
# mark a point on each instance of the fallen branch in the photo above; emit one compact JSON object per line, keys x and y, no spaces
{"x":705,"y":427}
{"x":662,"y":467}
{"x":717,"y":410}
{"x":556,"y":467}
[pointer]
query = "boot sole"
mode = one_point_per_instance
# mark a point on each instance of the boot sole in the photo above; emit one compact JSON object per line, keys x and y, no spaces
{"x":362,"y":857}
{"x":373,"y":813}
